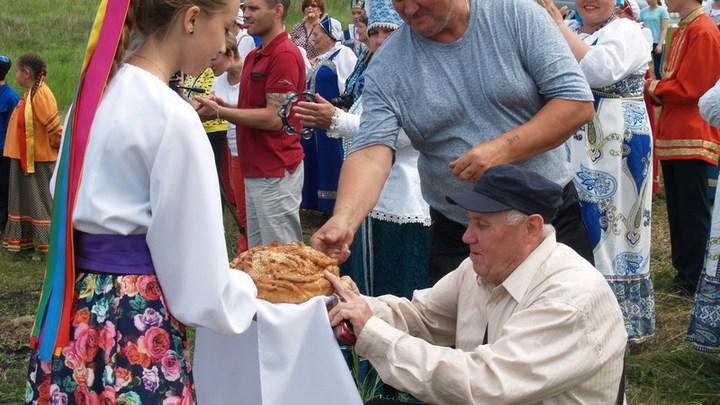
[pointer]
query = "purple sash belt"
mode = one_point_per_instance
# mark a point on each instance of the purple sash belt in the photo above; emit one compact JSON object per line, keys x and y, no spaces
{"x":113,"y":254}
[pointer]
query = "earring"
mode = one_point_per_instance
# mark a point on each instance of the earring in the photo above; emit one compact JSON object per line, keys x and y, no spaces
{"x":191,"y":32}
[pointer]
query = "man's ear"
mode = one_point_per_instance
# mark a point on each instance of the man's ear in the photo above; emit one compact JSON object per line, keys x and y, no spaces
{"x":534,"y":225}
{"x":279,"y":10}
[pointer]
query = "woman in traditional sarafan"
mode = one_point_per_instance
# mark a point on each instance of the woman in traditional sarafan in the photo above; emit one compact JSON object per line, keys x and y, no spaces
{"x":324,"y":155}
{"x":612,"y":155}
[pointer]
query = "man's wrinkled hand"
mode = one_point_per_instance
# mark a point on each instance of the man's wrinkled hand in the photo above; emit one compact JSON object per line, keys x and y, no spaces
{"x":333,"y":239}
{"x":472,"y":165}
{"x":352,"y":307}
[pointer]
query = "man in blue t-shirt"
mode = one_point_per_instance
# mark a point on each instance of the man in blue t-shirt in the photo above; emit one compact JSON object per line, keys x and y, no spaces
{"x":8,"y":100}
{"x":474,"y":84}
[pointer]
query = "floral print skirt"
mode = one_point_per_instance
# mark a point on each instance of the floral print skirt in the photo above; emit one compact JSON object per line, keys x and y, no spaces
{"x":125,"y":348}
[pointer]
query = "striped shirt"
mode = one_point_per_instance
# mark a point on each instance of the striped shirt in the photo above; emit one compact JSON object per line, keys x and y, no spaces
{"x":555,"y":335}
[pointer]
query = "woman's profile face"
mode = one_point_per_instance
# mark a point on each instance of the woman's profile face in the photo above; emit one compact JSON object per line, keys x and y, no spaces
{"x":362,"y":32}
{"x":377,"y":36}
{"x":208,"y":40}
{"x":320,"y":39}
{"x":595,"y":11}
{"x":220,"y":64}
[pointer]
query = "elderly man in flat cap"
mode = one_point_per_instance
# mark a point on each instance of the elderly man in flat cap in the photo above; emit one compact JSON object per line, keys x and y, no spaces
{"x":524,"y":319}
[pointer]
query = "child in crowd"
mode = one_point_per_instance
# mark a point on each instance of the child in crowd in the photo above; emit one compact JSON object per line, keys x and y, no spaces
{"x":215,"y":128}
{"x":137,"y":246}
{"x":8,"y":100}
{"x":228,"y":69}
{"x":32,"y":142}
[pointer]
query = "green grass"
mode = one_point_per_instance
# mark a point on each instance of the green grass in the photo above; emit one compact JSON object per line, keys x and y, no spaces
{"x":667,"y":370}
{"x":56,"y":30}
{"x":20,"y":279}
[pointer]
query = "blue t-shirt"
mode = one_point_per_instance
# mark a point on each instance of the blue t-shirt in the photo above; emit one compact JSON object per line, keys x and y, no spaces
{"x":509,"y":63}
{"x":8,"y":100}
{"x":653,"y":20}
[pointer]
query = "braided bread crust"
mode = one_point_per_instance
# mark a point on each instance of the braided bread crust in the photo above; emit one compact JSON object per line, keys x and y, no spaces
{"x":287,"y":273}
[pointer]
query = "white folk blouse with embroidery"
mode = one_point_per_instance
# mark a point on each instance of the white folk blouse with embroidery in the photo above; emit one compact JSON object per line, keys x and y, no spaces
{"x":344,"y":63}
{"x":619,"y":49}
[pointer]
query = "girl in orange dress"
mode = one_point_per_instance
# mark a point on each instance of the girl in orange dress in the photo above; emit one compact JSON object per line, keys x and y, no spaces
{"x":33,"y":138}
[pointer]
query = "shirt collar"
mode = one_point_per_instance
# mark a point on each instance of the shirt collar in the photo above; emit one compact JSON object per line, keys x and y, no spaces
{"x":267,"y":50}
{"x":516,"y":284}
{"x":700,"y":10}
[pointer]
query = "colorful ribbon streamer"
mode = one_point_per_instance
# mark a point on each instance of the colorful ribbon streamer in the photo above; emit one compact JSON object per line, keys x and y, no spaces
{"x":52,"y":322}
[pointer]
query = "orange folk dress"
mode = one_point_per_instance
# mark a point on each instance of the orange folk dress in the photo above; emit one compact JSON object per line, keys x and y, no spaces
{"x":32,"y":161}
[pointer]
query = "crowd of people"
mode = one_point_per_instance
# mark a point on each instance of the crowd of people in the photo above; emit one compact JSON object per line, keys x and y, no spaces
{"x":488,"y":167}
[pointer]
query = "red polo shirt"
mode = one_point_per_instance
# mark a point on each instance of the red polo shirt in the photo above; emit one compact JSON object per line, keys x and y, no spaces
{"x":278,"y":68}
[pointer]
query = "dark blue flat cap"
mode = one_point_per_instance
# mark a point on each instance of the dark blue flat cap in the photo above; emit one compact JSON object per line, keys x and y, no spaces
{"x":507,"y":187}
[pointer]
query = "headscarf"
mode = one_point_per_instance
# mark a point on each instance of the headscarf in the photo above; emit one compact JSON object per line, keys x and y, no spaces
{"x":333,"y":31}
{"x":383,"y":15}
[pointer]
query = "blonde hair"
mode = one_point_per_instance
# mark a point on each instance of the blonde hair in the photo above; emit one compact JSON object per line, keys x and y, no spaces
{"x":152,"y":18}
{"x":231,"y":46}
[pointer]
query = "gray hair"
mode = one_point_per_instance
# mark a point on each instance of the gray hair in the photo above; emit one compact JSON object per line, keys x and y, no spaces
{"x":515,"y":218}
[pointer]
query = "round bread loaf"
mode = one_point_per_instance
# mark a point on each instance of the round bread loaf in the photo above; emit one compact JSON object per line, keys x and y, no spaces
{"x":287,"y":273}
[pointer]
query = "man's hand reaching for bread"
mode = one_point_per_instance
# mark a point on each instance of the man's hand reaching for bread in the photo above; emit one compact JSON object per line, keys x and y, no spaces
{"x":352,"y":306}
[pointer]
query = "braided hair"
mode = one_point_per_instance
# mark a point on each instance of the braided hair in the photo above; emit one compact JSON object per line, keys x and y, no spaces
{"x":36,"y":65}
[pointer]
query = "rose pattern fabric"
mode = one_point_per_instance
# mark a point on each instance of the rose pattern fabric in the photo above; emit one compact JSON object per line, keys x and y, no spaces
{"x":126,"y":349}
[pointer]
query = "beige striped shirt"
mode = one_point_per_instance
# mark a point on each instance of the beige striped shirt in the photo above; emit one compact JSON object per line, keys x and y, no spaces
{"x":556,"y":335}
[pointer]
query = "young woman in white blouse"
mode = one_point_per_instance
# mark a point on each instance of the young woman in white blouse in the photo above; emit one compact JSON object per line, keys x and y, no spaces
{"x":149,"y":247}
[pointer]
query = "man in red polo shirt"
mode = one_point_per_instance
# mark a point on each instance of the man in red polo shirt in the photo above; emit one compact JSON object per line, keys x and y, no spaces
{"x":270,"y":159}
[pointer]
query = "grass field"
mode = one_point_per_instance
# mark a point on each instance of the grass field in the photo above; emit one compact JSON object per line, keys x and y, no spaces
{"x":665,"y":370}
{"x":58,"y":31}
{"x":662,"y":371}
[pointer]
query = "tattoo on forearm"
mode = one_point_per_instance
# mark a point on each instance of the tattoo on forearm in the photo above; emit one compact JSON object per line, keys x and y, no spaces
{"x":513,"y":139}
{"x":275,"y":99}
